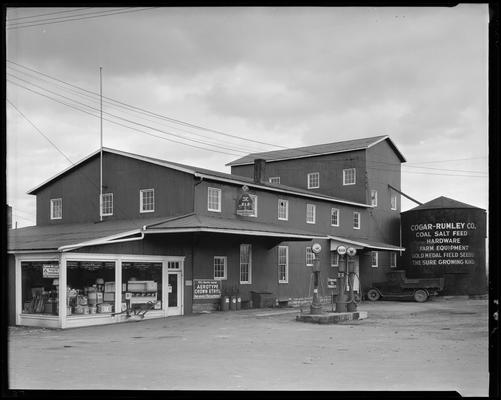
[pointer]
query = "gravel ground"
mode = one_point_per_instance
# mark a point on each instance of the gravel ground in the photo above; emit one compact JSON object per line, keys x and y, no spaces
{"x":438,"y":345}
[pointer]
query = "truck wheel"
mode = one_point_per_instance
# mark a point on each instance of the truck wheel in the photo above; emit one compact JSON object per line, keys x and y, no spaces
{"x":373,"y":295}
{"x":420,"y":296}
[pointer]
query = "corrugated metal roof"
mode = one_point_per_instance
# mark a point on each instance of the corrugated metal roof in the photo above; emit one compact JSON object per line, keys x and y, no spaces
{"x":51,"y":237}
{"x":316,"y":150}
{"x":440,"y":203}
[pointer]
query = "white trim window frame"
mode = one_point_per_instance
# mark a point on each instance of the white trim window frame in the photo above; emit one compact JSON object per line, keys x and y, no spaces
{"x":274,"y":179}
{"x":246,"y":264}
{"x":220,"y":268}
{"x":213,"y":199}
{"x":334,"y":216}
{"x":311,"y":210}
{"x":374,"y":259}
{"x":146,"y":200}
{"x":310,"y":256}
{"x":106,"y":204}
{"x":314,"y":180}
{"x":374,"y":198}
{"x":349,"y":176}
{"x":283,"y":264}
{"x":56,"y":208}
{"x":334,"y":259}
{"x":393,"y":260}
{"x":254,"y":199}
{"x":356,"y":220}
{"x":393,"y":201}
{"x":283,"y":209}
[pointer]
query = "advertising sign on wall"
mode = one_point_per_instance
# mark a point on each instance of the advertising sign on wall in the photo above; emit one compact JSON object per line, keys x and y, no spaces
{"x":245,"y":204}
{"x":50,"y":270}
{"x":206,"y":289}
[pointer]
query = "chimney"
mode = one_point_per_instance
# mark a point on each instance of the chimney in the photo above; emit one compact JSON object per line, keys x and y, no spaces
{"x":9,"y":217}
{"x":259,"y":170}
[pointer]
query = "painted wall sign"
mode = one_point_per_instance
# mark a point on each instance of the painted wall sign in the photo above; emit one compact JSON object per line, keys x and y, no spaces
{"x":442,"y":243}
{"x":206,"y":289}
{"x":245,"y":204}
{"x":50,"y":270}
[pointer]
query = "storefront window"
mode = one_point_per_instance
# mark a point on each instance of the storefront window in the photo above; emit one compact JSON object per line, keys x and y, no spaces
{"x":40,"y":287}
{"x":91,"y":287}
{"x":144,"y":281}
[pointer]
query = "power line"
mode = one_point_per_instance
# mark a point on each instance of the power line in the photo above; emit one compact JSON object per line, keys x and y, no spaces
{"x":53,"y":13}
{"x":26,"y":25}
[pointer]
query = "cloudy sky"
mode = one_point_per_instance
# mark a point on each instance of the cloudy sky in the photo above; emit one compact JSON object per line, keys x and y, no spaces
{"x":184,"y":84}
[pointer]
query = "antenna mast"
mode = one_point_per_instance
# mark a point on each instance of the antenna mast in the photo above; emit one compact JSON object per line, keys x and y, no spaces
{"x":101,"y":145}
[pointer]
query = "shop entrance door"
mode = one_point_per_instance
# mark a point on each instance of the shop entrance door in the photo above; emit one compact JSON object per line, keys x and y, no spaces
{"x":174,"y":293}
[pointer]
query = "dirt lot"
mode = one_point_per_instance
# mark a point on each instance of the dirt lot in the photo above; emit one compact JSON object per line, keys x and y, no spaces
{"x":438,"y":345}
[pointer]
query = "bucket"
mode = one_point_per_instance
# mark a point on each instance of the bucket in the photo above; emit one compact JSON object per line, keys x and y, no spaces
{"x":225,"y":303}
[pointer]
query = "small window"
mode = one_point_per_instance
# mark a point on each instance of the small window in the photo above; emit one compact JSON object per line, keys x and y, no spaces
{"x":356,"y":220}
{"x":310,"y":256}
{"x":349,"y":176}
{"x":274,"y":179}
{"x":334,"y":259}
{"x":283,"y":264}
{"x":314,"y":180}
{"x":245,"y":263}
{"x":393,"y":260}
{"x":254,"y":199}
{"x":107,"y":204}
{"x":374,"y":198}
{"x":334,"y":216}
{"x":56,"y":208}
{"x":374,"y":259}
{"x":283,"y":209}
{"x":214,"y":199}
{"x":220,"y":267}
{"x":146,"y":200}
{"x":310,"y":213}
{"x":393,"y":201}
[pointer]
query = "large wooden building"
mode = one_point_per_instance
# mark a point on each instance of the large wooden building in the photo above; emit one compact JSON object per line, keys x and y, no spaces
{"x":167,"y":231}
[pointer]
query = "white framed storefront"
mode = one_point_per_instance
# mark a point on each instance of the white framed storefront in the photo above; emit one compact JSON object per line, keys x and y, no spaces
{"x":172,"y":297}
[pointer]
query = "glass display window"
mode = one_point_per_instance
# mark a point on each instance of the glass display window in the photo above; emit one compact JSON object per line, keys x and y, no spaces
{"x":40,"y":287}
{"x":144,"y":281}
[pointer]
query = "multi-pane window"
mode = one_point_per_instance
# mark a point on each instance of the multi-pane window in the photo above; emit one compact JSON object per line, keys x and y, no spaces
{"x":393,"y":201}
{"x":374,"y":198}
{"x":283,"y":264}
{"x":107,"y":204}
{"x":245,"y":263}
{"x":310,"y":213}
{"x":214,"y":199}
{"x":310,"y":256}
{"x":283,"y":209}
{"x":334,"y":259}
{"x":147,"y":200}
{"x":393,"y":260}
{"x":334,"y":216}
{"x":314,"y":180}
{"x":374,"y":259}
{"x":219,"y":267}
{"x":356,"y":220}
{"x":274,"y":179}
{"x":56,"y":208}
{"x":349,"y":176}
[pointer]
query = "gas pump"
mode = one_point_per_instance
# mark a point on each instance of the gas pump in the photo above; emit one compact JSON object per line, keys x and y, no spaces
{"x":341,"y":283}
{"x":352,"y":305}
{"x":316,"y":306}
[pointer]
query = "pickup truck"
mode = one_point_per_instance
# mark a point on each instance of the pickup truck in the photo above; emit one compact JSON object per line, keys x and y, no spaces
{"x":399,"y":286}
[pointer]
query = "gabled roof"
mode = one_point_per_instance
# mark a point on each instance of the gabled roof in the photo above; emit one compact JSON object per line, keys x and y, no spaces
{"x":207,"y":174}
{"x":317,"y":150}
{"x":442,"y":202}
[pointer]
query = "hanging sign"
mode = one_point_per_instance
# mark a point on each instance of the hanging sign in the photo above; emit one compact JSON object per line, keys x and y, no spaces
{"x":50,"y":270}
{"x":331,"y":283}
{"x":206,"y":289}
{"x":245,"y":204}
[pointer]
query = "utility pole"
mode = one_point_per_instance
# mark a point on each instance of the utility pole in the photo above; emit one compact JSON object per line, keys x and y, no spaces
{"x":101,"y":145}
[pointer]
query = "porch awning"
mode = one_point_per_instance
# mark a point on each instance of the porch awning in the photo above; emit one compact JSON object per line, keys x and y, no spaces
{"x":202,"y":223}
{"x":362,"y":244}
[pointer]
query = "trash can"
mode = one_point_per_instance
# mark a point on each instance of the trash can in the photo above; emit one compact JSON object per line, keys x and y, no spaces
{"x":263,"y":299}
{"x":239,"y":303}
{"x":233,"y":303}
{"x":225,"y":303}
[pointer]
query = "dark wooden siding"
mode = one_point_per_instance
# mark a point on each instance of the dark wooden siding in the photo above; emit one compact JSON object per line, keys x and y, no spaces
{"x":11,"y":289}
{"x":123,"y":177}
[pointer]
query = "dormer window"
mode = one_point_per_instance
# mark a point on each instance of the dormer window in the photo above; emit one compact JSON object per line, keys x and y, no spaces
{"x":56,"y":208}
